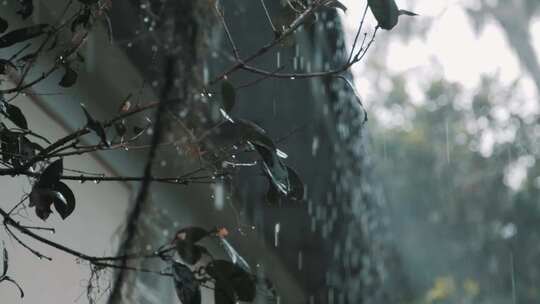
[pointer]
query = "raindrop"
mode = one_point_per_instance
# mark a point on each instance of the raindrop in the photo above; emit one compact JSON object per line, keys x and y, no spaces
{"x":314,"y":145}
{"x":300,"y":260}
{"x":219,"y":195}
{"x":281,"y":154}
{"x":447,"y":141}
{"x":277,"y":229}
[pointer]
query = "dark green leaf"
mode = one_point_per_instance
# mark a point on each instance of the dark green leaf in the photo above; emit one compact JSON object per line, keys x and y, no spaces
{"x":66,"y":205}
{"x":274,"y":168}
{"x":228,"y":95}
{"x":51,"y":175}
{"x":233,"y":254}
{"x":16,"y":116}
{"x":386,"y":12}
{"x":407,"y":13}
{"x":42,"y":199}
{"x":223,"y":293}
{"x":69,"y":79}
{"x":95,"y":126}
{"x":186,"y":285}
{"x":22,"y":34}
{"x":297,"y":186}
{"x":191,"y":234}
{"x":242,"y":131}
{"x":337,"y":4}
{"x":234,"y":282}
{"x":189,"y":252}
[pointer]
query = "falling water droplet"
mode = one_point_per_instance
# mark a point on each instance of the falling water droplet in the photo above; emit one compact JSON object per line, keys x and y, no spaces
{"x":277,"y":229}
{"x":447,"y":141}
{"x":219,"y":195}
{"x":281,"y":154}
{"x":300,"y":260}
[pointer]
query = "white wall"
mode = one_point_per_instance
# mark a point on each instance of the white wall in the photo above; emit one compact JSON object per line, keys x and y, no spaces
{"x":92,"y":228}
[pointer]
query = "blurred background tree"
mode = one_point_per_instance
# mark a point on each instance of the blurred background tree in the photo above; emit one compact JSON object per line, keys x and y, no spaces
{"x":455,"y":134}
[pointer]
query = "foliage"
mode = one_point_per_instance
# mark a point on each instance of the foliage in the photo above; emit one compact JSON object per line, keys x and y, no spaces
{"x":452,"y":195}
{"x":25,"y":152}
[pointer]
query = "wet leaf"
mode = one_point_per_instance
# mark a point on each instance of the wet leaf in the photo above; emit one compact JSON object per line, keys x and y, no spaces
{"x":236,"y":258}
{"x":245,"y":131}
{"x":42,"y":199}
{"x":186,"y":285}
{"x":27,"y":8}
{"x":234,"y":283}
{"x":16,"y":116}
{"x":70,"y":77}
{"x":223,"y":293}
{"x":51,"y":174}
{"x":337,"y":4}
{"x":3,"y":25}
{"x":274,"y":168}
{"x":22,"y":34}
{"x":96,"y":126}
{"x":228,"y":95}
{"x":242,"y":131}
{"x":65,"y":206}
{"x":43,"y":196}
{"x":386,"y":13}
{"x":191,"y":234}
{"x":297,"y":186}
{"x":189,"y":252}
